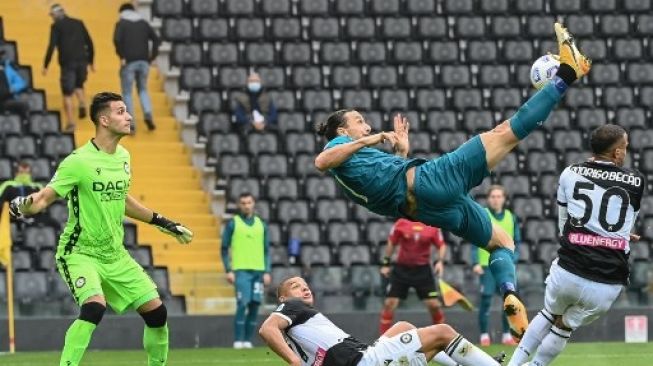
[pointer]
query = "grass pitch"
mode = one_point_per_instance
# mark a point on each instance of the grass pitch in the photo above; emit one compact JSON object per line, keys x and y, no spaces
{"x":576,"y":354}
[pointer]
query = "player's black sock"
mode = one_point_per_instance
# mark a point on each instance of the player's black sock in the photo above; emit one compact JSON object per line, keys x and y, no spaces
{"x":567,"y":74}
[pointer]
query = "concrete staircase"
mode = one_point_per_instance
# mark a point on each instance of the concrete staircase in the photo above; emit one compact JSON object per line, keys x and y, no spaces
{"x":164,"y":178}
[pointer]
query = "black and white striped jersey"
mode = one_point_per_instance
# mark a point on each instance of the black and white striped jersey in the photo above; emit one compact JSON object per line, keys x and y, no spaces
{"x":312,"y":336}
{"x":602,"y":202}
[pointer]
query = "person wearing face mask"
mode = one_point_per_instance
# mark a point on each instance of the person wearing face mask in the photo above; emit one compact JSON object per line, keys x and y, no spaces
{"x":254,"y":109}
{"x":21,"y":185}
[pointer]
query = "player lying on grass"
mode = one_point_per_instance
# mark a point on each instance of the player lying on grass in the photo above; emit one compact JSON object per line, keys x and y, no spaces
{"x":598,"y":202}
{"x":301,"y":335}
{"x":91,"y":257}
{"x":435,"y":192}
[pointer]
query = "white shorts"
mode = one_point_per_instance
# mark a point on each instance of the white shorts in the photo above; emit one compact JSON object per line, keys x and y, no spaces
{"x":401,"y":350}
{"x":579,"y":300}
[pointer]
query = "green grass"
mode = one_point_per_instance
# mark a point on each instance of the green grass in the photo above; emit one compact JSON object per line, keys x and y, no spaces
{"x":578,"y":354}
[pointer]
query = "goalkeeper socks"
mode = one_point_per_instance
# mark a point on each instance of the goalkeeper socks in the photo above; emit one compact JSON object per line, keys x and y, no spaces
{"x":537,"y":329}
{"x":443,"y":359}
{"x":503,"y":268}
{"x":251,"y":320}
{"x":239,"y":322}
{"x":536,"y":110}
{"x":155,"y":342}
{"x":466,"y":354}
{"x":77,"y":339}
{"x":386,"y":320}
{"x":551,"y":346}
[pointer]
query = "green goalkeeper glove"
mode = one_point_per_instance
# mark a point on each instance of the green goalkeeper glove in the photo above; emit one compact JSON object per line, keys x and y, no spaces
{"x":17,"y":206}
{"x":175,"y":229}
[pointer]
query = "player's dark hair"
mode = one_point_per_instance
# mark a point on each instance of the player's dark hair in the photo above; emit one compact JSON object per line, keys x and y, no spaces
{"x":244,"y":195}
{"x":126,"y":6}
{"x":330,"y":127}
{"x":101,"y":102}
{"x":605,"y":137}
{"x":282,"y":285}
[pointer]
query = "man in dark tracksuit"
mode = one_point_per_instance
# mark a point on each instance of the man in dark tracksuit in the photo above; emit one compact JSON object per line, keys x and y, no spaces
{"x":75,"y":48}
{"x":132,"y":38}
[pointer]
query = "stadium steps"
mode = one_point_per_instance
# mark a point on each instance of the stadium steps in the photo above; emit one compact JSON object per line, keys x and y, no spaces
{"x":163,"y":175}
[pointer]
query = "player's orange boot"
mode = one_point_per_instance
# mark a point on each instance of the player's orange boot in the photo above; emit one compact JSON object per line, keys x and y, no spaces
{"x":569,"y":52}
{"x":516,"y":313}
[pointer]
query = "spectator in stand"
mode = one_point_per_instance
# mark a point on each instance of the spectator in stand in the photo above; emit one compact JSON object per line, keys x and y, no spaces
{"x":11,"y":84}
{"x":254,"y":109}
{"x":70,"y":37}
{"x":496,"y":200}
{"x":137,"y":45}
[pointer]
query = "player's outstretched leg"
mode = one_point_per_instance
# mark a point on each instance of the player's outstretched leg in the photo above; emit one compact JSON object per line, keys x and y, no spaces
{"x":537,"y":330}
{"x":79,"y":334}
{"x":441,"y":339}
{"x":155,"y":332}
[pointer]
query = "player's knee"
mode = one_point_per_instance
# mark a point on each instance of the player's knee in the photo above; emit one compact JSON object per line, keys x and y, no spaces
{"x":156,"y":318}
{"x":92,"y":312}
{"x":442,"y":334}
{"x":390,"y":304}
{"x":404,"y":326}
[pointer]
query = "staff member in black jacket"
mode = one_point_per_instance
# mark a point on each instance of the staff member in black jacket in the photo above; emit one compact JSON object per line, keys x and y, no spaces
{"x":70,"y":37}
{"x":132,"y":38}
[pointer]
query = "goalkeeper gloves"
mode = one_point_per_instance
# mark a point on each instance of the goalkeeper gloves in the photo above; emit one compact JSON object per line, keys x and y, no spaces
{"x":179,"y":231}
{"x":17,"y":206}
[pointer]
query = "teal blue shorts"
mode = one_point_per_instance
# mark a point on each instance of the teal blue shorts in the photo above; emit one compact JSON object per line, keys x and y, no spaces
{"x":249,"y":286}
{"x":442,"y":190}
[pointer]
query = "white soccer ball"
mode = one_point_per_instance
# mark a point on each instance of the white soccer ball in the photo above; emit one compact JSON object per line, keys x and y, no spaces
{"x":543,"y":70}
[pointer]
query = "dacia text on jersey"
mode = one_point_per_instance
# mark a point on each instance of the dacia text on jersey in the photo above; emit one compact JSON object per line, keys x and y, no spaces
{"x":608,"y":175}
{"x":112,"y":191}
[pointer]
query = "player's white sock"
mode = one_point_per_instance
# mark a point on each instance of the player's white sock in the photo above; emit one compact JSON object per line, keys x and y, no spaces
{"x":443,"y":359}
{"x":466,"y":354}
{"x":551,"y":346}
{"x":537,"y":330}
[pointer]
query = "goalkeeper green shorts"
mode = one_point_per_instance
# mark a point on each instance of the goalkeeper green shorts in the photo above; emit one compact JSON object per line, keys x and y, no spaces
{"x":123,"y":283}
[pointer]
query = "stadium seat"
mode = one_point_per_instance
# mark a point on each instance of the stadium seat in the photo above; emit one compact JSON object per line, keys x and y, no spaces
{"x":255,"y":54}
{"x":441,"y":121}
{"x":407,"y":53}
{"x":205,"y":101}
{"x":274,"y":234}
{"x":614,"y":25}
{"x":250,"y":29}
{"x":346,"y":76}
{"x":315,"y":255}
{"x":640,"y":73}
{"x":164,"y":8}
{"x":417,"y":76}
{"x":239,"y":7}
{"x":558,"y":119}
{"x":482,"y":51}
{"x":567,"y":140}
{"x":30,"y":286}
{"x":429,"y":99}
{"x":307,"y":77}
{"x":360,"y":28}
{"x":464,"y":99}
{"x":296,"y":53}
{"x":542,"y":162}
{"x":391,"y":100}
{"x":382,"y":76}
{"x":536,"y":141}
{"x":58,"y":146}
{"x":614,"y":97}
{"x":262,"y":143}
{"x":46,"y":261}
{"x":331,"y":210}
{"x":631,"y":117}
{"x":350,"y":7}
{"x":358,"y":254}
{"x":365,"y":278}
{"x":276,"y":7}
{"x":317,"y":100}
{"x":539,"y":230}
{"x":286,"y":29}
{"x":363,"y":215}
{"x":264,"y":211}
{"x":530,"y":277}
{"x":21,"y":260}
{"x":395,"y":28}
{"x":603,"y":74}
{"x":278,"y":256}
{"x":214,"y":122}
{"x":38,"y":237}
{"x":477,"y":121}
{"x":524,"y":253}
{"x":195,"y":78}
{"x":509,"y":165}
{"x":628,"y":49}
{"x":517,"y":185}
{"x":361,"y":99}
{"x":575,"y":156}
{"x":506,"y":27}
{"x":304,"y":165}
{"x":591,"y":118}
{"x":10,"y":124}
{"x":596,"y":49}
{"x":6,"y":170}
{"x":130,"y":237}
{"x":470,"y":27}
{"x":377,"y":232}
{"x":371,"y":53}
{"x":242,"y":185}
{"x":641,"y":139}
{"x":335,"y":53}
{"x":323,"y":28}
{"x":278,"y":188}
{"x":390,"y":7}
{"x":284,"y":100}
{"x":203,"y":8}
{"x":526,"y":208}
{"x":142,"y":256}
{"x":431,"y":27}
{"x":178,"y":29}
{"x":272,"y":165}
{"x":326,"y":280}
{"x":644,"y":24}
{"x":420,"y":142}
{"x":58,"y":211}
{"x":291,"y":122}
{"x":43,"y":123}
{"x":221,"y":143}
{"x":640,"y":251}
{"x":546,"y":252}
{"x":444,"y":52}
{"x":233,"y":165}
{"x":458,"y":6}
{"x":320,"y":187}
{"x":184,"y":54}
{"x":580,"y":25}
{"x":493,"y":75}
{"x":580,"y":97}
{"x":646,"y":96}
{"x":530,"y":6}
{"x":449,"y":141}
{"x":295,"y":210}
{"x":539,"y":26}
{"x":518,"y":51}
{"x":506,"y":98}
{"x":306,"y":233}
{"x":343,"y":232}
{"x":209,"y":30}
{"x":232,"y":77}
{"x":637,"y":6}
{"x":300,"y":143}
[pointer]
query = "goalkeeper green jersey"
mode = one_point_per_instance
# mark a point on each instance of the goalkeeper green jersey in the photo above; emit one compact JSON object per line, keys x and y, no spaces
{"x":95,"y":184}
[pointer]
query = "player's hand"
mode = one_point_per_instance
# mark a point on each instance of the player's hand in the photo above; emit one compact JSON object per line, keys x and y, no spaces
{"x":18,"y":205}
{"x":478,"y":269}
{"x":175,"y":229}
{"x":231,"y":278}
{"x":439,"y":268}
{"x":385,"y":271}
{"x":634,"y":237}
{"x":267,"y":279}
{"x":401,"y":126}
{"x":375,"y":139}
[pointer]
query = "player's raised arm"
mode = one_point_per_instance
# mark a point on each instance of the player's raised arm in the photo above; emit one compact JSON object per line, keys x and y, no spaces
{"x":32,"y":204}
{"x":271,"y":332}
{"x":401,"y":126}
{"x":136,"y":210}
{"x":333,"y":157}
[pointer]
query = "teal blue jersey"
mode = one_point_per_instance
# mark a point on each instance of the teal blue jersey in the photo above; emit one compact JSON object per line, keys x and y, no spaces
{"x":373,"y":179}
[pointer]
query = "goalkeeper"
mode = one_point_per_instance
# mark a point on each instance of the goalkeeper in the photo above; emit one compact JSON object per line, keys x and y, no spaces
{"x":90,"y":256}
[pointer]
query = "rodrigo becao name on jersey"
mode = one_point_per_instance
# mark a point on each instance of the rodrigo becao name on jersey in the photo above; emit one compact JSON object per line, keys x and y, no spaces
{"x":602,"y":203}
{"x":315,"y":339}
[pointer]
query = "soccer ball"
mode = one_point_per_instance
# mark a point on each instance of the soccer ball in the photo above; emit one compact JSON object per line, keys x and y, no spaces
{"x":543,"y":70}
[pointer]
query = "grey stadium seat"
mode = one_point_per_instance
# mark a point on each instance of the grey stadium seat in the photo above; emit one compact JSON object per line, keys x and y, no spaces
{"x":324,"y":28}
{"x":602,"y":6}
{"x":284,"y":100}
{"x":295,"y":210}
{"x":641,"y":139}
{"x":213,"y":29}
{"x":371,"y":52}
{"x":21,"y":260}
{"x":407,"y":52}
{"x":431,"y":27}
{"x":542,"y":162}
{"x":548,"y":185}
{"x":575,"y":156}
{"x":363,"y":215}
{"x":142,"y":256}
{"x":424,"y":7}
{"x":503,"y":98}
{"x":420,"y":142}
{"x":278,"y":256}
{"x":305,"y":232}
{"x":35,"y":100}
{"x":278,"y":188}
{"x":595,"y":49}
{"x":186,"y":54}
{"x":444,"y":52}
{"x":365,"y":279}
{"x":384,"y":6}
{"x":580,"y":97}
{"x":456,"y":75}
{"x":274,"y":234}
{"x":220,"y":143}
{"x":614,"y":25}
{"x":526,"y":208}
{"x":177,"y":29}
{"x":628,"y":49}
{"x":6,"y":170}
{"x":250,"y":29}
{"x":130,"y":237}
{"x":396,"y":28}
{"x":317,"y":100}
{"x":346,"y":76}
{"x":20,"y":147}
{"x":304,"y":165}
{"x":494,"y":6}
{"x":300,"y":143}
{"x":42,"y":123}
{"x":558,"y":119}
{"x":331,"y":209}
{"x":234,"y":165}
{"x":467,"y":98}
{"x":470,"y":27}
{"x":262,"y":143}
{"x":458,"y":6}
{"x":646,"y":96}
{"x":516,"y":185}
{"x":307,"y":77}
{"x":449,"y":141}
{"x":168,"y":7}
{"x":429,"y":99}
{"x":567,"y":140}
{"x":477,"y":121}
{"x":10,"y":124}
{"x":343,"y":232}
{"x":437,"y":121}
{"x":644,"y":25}
{"x":506,"y":27}
{"x":509,"y":164}
{"x":390,"y":100}
{"x":46,"y":261}
{"x":203,"y":8}
{"x":327,"y":279}
{"x":272,"y":77}
{"x":296,"y":53}
{"x":377,"y":232}
{"x":350,"y":255}
{"x":618,"y":97}
{"x":580,"y":25}
{"x":263,"y":210}
{"x":637,"y":5}
{"x":482,"y":51}
{"x":640,"y":73}
{"x":30,"y":285}
{"x":631,"y":117}
{"x":239,"y":7}
{"x":416,"y":76}
{"x":272,"y":165}
{"x":353,"y":7}
{"x":160,"y":278}
{"x":58,"y":146}
{"x":590,"y":118}
{"x":40,"y":237}
{"x":518,"y":51}
{"x":195,"y":78}
{"x":380,"y":76}
{"x":530,"y":6}
{"x":360,"y":99}
{"x":360,"y":28}
{"x":209,"y":101}
{"x":286,"y":28}
{"x":541,"y":230}
{"x":293,"y":121}
{"x":604,"y":74}
{"x":494,"y":75}
{"x":276,"y":7}
{"x":259,"y":54}
{"x":538,"y":26}
{"x":58,"y":211}
{"x":242,"y":185}
{"x":232,"y":77}
{"x":335,"y":53}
